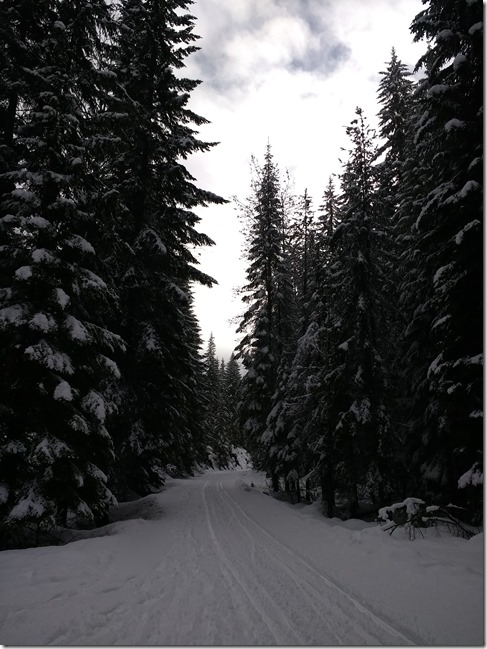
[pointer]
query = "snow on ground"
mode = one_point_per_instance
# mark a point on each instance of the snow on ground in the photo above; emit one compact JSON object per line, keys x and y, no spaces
{"x":212,"y":560}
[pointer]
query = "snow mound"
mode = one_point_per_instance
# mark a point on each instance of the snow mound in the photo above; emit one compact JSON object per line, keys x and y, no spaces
{"x":238,"y":460}
{"x":242,"y":458}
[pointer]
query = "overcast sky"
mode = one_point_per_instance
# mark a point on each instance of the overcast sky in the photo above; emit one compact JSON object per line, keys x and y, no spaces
{"x":293,"y":72}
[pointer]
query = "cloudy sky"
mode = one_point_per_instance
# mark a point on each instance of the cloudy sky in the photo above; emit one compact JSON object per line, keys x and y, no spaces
{"x":291,"y":72}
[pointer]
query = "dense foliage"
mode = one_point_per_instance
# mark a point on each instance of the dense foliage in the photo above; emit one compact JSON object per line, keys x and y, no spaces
{"x":99,"y":346}
{"x":375,"y":390}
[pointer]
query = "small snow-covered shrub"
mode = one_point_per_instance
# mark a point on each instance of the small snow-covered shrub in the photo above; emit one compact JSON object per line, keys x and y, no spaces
{"x":413,"y":514}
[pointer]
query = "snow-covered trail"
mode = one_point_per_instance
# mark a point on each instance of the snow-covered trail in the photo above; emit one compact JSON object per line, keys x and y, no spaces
{"x":291,"y":602}
{"x":216,"y":562}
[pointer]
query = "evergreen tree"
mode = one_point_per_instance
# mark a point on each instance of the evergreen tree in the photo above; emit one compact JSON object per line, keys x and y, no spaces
{"x":357,"y":421}
{"x":55,"y":348}
{"x":223,"y":418}
{"x":302,"y":246}
{"x":264,"y":324}
{"x":448,"y":249}
{"x":211,"y":390}
{"x":328,"y":216}
{"x":299,"y":416}
{"x":157,"y":266}
{"x":395,"y":129}
{"x":232,"y":389}
{"x":395,"y":98}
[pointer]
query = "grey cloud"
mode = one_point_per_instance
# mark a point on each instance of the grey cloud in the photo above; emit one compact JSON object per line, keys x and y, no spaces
{"x":324,"y":60}
{"x":221,"y":23}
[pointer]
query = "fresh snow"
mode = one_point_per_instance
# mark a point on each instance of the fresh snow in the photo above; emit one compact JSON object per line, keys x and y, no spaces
{"x":63,"y":392}
{"x":453,"y":124}
{"x":44,"y":354}
{"x":444,"y":34}
{"x":77,"y":330}
{"x":439,"y":273}
{"x":473,"y":224}
{"x":476,"y":413}
{"x":95,"y":403}
{"x":41,"y":255}
{"x":476,"y":28}
{"x":411,"y":505}
{"x":24,"y":272}
{"x":39,"y":221}
{"x":460,"y":59}
{"x":213,"y":560}
{"x":473,"y":476}
{"x":438,"y":89}
{"x":93,"y":281}
{"x":12,"y":315}
{"x":31,"y":504}
{"x":62,"y":297}
{"x":43,"y":322}
{"x":81,"y":244}
{"x":110,"y":365}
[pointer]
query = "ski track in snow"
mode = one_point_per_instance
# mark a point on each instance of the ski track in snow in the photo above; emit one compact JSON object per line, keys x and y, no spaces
{"x":305,"y":576}
{"x":210,"y":568}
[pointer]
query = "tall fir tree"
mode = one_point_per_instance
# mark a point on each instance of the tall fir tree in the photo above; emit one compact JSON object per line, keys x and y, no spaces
{"x":302,"y":244}
{"x":396,"y":101}
{"x":232,"y":383}
{"x":299,"y":410}
{"x":211,"y":388}
{"x":358,"y":425}
{"x":159,"y":231}
{"x":264,"y":324}
{"x":55,"y":348}
{"x":447,"y":238}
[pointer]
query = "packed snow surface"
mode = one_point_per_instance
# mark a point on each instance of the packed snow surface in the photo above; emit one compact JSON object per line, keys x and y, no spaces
{"x":213,"y":560}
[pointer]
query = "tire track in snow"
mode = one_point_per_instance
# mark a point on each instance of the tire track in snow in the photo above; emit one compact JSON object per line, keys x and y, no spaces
{"x":320,"y":623}
{"x":333,"y":614}
{"x":270,"y":624}
{"x":401,"y":637}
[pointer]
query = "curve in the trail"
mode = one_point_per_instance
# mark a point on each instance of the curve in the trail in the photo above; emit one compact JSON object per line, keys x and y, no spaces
{"x":222,"y":564}
{"x":297,"y":603}
{"x":331,"y":622}
{"x":395,"y":635}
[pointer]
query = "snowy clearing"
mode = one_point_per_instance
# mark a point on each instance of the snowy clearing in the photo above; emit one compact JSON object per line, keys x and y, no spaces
{"x":214,"y":561}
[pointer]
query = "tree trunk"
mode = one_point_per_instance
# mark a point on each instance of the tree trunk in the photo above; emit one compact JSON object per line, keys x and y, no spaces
{"x":328,"y":493}
{"x":275,"y":482}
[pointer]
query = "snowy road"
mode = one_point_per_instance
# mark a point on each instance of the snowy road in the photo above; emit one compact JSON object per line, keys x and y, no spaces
{"x":216,"y":562}
{"x":286,"y":600}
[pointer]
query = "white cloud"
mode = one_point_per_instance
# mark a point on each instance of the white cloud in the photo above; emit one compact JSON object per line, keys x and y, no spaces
{"x":292,"y":71}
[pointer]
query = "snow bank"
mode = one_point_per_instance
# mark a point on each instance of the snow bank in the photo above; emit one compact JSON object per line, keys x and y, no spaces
{"x":213,"y":561}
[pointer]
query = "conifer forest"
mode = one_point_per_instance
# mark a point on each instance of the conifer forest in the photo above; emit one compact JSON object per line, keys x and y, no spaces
{"x":358,"y":379}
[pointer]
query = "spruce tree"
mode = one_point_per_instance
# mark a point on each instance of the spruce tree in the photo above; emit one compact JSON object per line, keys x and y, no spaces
{"x":302,"y":245}
{"x":306,"y":446}
{"x":232,"y":389}
{"x":448,"y":249}
{"x":157,"y":265}
{"x":396,"y":115}
{"x":56,"y":351}
{"x":395,"y":99}
{"x":265,"y":322}
{"x":356,"y":377}
{"x":211,"y":389}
